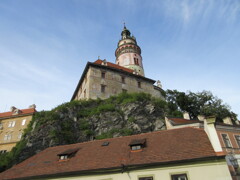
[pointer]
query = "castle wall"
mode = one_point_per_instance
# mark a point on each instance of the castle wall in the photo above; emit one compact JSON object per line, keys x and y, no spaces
{"x":103,"y":83}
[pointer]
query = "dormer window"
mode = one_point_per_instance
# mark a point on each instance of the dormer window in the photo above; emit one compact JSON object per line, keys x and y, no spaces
{"x":67,"y":154}
{"x":63,"y":157}
{"x":137,"y":144}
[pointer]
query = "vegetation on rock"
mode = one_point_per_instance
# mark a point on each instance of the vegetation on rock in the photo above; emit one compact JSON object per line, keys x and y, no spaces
{"x":79,"y":121}
{"x":121,"y":115}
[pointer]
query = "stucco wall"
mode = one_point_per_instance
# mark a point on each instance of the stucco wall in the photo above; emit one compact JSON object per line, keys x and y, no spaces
{"x":204,"y":171}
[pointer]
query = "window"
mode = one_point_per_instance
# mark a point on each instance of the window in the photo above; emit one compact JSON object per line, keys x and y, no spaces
{"x":226,"y":140}
{"x":105,"y":143}
{"x":124,"y":90}
{"x":1,"y":126}
{"x":146,"y":178}
{"x":63,"y":157}
{"x":136,"y":61}
{"x":20,"y":135}
{"x":103,"y":75}
{"x":237,"y":137}
{"x":67,"y":154}
{"x":139,"y":84}
{"x":103,"y":88}
{"x":3,"y":151}
{"x":136,"y":147}
{"x":137,"y":144}
{"x":7,"y":137}
{"x":123,"y":80}
{"x":179,"y":177}
{"x":84,"y":93}
{"x":11,"y":123}
{"x":23,"y":122}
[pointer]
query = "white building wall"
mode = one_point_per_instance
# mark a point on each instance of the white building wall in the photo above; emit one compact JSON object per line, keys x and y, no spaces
{"x":205,"y":171}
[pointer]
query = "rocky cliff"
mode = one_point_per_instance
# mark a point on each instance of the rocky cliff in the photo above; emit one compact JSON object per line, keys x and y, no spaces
{"x":80,"y":121}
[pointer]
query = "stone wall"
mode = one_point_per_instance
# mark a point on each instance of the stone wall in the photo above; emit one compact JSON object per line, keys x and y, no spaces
{"x":114,"y":82}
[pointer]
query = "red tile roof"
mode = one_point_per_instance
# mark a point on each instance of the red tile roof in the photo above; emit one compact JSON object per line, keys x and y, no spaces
{"x":21,"y":112}
{"x":99,"y":61}
{"x":162,"y":147}
{"x":178,"y":121}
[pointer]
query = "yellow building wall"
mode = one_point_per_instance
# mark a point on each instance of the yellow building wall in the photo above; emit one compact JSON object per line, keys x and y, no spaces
{"x":13,"y":132}
{"x":204,"y":171}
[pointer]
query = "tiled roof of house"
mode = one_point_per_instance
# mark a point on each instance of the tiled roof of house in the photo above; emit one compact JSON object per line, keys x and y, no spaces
{"x":20,"y":113}
{"x":99,"y":61}
{"x":161,"y":147}
{"x":178,"y":121}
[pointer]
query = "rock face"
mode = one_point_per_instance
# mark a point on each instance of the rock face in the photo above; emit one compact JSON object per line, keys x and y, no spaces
{"x":80,"y":121}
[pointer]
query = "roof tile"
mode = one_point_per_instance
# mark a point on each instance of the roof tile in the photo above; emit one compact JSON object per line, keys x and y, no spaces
{"x":162,"y":147}
{"x":22,"y":112}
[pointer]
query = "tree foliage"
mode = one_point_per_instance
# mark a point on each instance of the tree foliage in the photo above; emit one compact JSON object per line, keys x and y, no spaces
{"x":201,"y":103}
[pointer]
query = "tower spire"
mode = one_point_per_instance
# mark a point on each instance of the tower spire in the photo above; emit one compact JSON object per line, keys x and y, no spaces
{"x":128,"y":53}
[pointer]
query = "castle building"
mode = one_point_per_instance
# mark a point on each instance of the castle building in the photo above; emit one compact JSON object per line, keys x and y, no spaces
{"x":102,"y":79}
{"x":12,"y":125}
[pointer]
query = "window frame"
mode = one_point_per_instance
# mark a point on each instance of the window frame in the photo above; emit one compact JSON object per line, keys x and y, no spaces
{"x":124,"y":90}
{"x":139,"y":84}
{"x":11,"y":124}
{"x":237,"y":139}
{"x":141,"y":177}
{"x":123,"y":79}
{"x":228,"y":139}
{"x":103,"y":88}
{"x":103,"y":74}
{"x":179,"y":174}
{"x":7,"y":137}
{"x":20,"y":135}
{"x":23,"y":122}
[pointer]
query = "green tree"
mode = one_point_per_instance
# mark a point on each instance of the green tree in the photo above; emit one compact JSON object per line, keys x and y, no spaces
{"x":201,"y":103}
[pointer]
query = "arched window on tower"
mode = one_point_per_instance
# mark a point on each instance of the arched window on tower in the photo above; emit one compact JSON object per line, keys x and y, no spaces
{"x":136,"y":61}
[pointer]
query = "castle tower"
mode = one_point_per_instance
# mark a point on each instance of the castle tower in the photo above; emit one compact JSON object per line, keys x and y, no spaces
{"x":128,"y":53}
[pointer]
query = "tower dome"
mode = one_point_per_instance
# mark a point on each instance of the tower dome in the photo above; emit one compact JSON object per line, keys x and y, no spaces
{"x":128,"y":53}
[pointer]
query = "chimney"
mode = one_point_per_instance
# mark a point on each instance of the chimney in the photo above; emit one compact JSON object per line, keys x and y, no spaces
{"x":32,"y":106}
{"x":227,"y":120}
{"x":12,"y":108}
{"x":186,"y":115}
{"x":104,"y":62}
{"x":16,"y":111}
{"x":201,"y":117}
{"x":209,"y":128}
{"x":159,"y":84}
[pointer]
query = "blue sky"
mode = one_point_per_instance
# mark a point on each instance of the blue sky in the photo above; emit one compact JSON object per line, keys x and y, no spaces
{"x":187,"y":45}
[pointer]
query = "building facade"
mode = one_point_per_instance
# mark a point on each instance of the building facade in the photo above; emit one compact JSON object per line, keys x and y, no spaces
{"x":102,"y":79}
{"x":149,"y":156}
{"x":226,"y":135}
{"x":12,"y":125}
